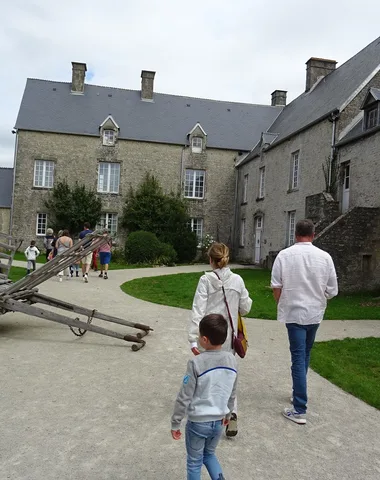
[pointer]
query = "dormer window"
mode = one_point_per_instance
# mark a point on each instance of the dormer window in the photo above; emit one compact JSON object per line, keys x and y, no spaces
{"x":196,"y":144}
{"x":371,"y":118}
{"x":109,"y":138}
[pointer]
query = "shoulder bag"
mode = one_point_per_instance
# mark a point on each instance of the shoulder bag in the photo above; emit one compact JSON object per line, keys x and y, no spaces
{"x":239,"y":342}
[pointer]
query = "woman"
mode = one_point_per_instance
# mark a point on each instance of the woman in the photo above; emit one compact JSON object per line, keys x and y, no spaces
{"x":63,"y":243}
{"x":209,"y":298}
{"x":104,"y":253}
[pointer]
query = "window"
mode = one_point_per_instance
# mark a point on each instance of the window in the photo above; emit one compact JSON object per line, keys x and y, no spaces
{"x":245,"y":191}
{"x":242,"y":232}
{"x":109,"y":221}
{"x":109,"y":137}
{"x":41,"y":224}
{"x":262,"y":183}
{"x":109,"y":177}
{"x":372,"y":116}
{"x":196,"y":225}
{"x":291,"y":227}
{"x":294,"y":180}
{"x":194,"y":183}
{"x":43,"y":174}
{"x":196,"y":145}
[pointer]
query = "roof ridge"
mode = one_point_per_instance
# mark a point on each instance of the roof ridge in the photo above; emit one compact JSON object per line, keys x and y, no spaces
{"x":163,"y":94}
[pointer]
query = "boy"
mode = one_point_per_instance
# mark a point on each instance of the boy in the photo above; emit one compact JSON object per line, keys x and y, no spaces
{"x":31,"y":254}
{"x":207,"y":396}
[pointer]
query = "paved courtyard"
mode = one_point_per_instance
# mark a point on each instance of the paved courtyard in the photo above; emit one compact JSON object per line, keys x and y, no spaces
{"x":91,"y":409}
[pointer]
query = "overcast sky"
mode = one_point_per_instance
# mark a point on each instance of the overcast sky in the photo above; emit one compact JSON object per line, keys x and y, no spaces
{"x":237,"y":50}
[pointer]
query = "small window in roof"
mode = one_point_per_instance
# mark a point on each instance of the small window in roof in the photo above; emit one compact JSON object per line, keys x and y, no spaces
{"x":196,"y":144}
{"x":109,"y":138}
{"x":371,"y":117}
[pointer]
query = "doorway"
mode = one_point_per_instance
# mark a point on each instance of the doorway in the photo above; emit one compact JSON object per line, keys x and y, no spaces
{"x":258,"y":231}
{"x":346,"y":188}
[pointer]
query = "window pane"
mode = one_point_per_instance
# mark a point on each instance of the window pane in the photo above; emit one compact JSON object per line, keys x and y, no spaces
{"x":114,"y":177}
{"x":41,"y":223}
{"x":189,"y":183}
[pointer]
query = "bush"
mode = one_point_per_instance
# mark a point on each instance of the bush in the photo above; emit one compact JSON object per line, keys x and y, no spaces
{"x":185,"y":244}
{"x":118,"y":255}
{"x":168,"y":255}
{"x":142,"y":247}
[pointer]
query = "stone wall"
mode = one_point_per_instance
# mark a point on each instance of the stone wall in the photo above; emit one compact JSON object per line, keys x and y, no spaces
{"x":322,"y":209}
{"x":353,"y":241}
{"x":77,"y":159}
{"x":5,"y":216}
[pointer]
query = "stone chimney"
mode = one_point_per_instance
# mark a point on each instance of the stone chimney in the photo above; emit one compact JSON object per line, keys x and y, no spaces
{"x":317,"y":68}
{"x":147,"y":82}
{"x":279,"y":98}
{"x":79,"y":74}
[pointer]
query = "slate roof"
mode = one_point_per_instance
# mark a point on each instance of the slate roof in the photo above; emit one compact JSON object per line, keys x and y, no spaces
{"x":6,"y":187}
{"x":50,"y":107}
{"x":328,"y":95}
{"x":375,"y":92}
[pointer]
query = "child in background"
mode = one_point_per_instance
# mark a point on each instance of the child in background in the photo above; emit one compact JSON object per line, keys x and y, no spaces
{"x":31,"y":253}
{"x":49,"y":237}
{"x":207,"y":396}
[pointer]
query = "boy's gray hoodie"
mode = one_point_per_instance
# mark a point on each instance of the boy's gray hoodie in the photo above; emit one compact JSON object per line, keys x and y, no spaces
{"x":208,"y":389}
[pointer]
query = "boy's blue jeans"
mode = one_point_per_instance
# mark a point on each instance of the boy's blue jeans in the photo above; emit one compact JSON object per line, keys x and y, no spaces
{"x":301,"y":340}
{"x":202,"y":439}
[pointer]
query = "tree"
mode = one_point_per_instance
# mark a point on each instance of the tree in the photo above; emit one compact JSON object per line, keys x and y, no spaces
{"x":150,"y":209}
{"x":70,"y":207}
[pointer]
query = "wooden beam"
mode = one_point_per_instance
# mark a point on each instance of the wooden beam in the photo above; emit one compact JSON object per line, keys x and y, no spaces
{"x":5,"y":255}
{"x":6,"y":246}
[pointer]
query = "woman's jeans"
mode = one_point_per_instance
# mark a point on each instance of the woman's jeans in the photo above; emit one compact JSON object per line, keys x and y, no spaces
{"x":202,"y":439}
{"x":301,"y":340}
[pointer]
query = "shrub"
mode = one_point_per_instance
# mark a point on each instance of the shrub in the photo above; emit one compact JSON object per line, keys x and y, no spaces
{"x":118,"y":255}
{"x":185,"y":244}
{"x":142,"y":247}
{"x":168,"y":255}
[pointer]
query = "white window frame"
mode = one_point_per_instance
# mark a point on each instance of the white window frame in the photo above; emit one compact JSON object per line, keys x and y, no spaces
{"x":109,"y":137}
{"x":47,"y":174}
{"x":104,"y":184}
{"x":196,"y":144}
{"x":291,"y":227}
{"x":39,"y":231}
{"x":372,"y":118}
{"x":245,"y":188}
{"x":195,"y":175}
{"x":196,"y":225}
{"x":242,"y":232}
{"x":295,"y":170}
{"x":107,"y":219}
{"x":262,"y":182}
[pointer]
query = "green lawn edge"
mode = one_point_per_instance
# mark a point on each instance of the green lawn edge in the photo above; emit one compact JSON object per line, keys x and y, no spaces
{"x":352,"y":364}
{"x":177,"y":290}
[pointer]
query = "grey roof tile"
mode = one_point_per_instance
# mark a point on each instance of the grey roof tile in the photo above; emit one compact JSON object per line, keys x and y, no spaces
{"x":329,"y":94}
{"x":49,"y":106}
{"x":6,"y":187}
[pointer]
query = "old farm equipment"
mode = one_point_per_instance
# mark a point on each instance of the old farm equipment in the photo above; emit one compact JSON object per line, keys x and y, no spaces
{"x":22,"y":296}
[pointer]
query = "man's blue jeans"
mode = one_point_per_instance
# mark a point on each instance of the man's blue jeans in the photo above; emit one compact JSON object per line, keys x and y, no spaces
{"x":301,"y":340}
{"x":201,"y":441}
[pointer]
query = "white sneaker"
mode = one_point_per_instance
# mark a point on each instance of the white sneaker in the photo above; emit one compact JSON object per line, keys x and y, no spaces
{"x":60,"y":279}
{"x":294,"y":416}
{"x":86,"y":278}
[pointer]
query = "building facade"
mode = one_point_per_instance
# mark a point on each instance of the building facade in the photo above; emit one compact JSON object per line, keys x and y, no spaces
{"x":6,"y":186}
{"x":108,"y":139}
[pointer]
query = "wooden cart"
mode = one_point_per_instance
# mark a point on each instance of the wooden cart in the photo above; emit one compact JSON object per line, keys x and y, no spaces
{"x":23,"y":296}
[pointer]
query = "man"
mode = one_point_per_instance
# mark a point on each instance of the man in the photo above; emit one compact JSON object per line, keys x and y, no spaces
{"x":86,"y":261}
{"x":303,"y":278}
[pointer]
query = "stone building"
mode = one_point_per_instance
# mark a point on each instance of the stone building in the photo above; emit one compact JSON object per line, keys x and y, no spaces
{"x":6,"y":186}
{"x":326,"y":140}
{"x":108,"y":138}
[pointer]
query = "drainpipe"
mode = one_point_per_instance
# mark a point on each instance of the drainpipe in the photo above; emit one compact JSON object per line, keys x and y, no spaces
{"x":14,"y":131}
{"x":181,"y":172}
{"x":234,"y":220}
{"x":333,"y":118}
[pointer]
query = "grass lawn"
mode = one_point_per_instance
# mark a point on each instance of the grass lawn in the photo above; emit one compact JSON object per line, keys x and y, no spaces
{"x":21,"y":257}
{"x":352,"y":364}
{"x":178,"y":291}
{"x":17,"y":273}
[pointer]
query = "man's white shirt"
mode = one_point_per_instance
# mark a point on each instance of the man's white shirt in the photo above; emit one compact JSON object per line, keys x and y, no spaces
{"x":307,"y":278}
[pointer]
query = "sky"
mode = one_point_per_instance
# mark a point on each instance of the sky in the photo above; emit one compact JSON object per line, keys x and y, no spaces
{"x":240,"y":50}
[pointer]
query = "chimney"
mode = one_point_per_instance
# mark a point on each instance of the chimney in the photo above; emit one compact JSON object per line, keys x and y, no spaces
{"x":279,"y":98}
{"x":317,"y":68}
{"x":147,"y":81}
{"x":79,"y":73}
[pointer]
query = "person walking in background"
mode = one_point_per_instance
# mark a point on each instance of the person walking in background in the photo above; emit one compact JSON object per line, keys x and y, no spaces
{"x":105,"y":257}
{"x":31,"y":254}
{"x":49,"y":237}
{"x":303,"y":278}
{"x":53,"y":253}
{"x":86,"y":261}
{"x":209,"y":298}
{"x":94,"y":261}
{"x":64,"y":242}
{"x":207,"y":408}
